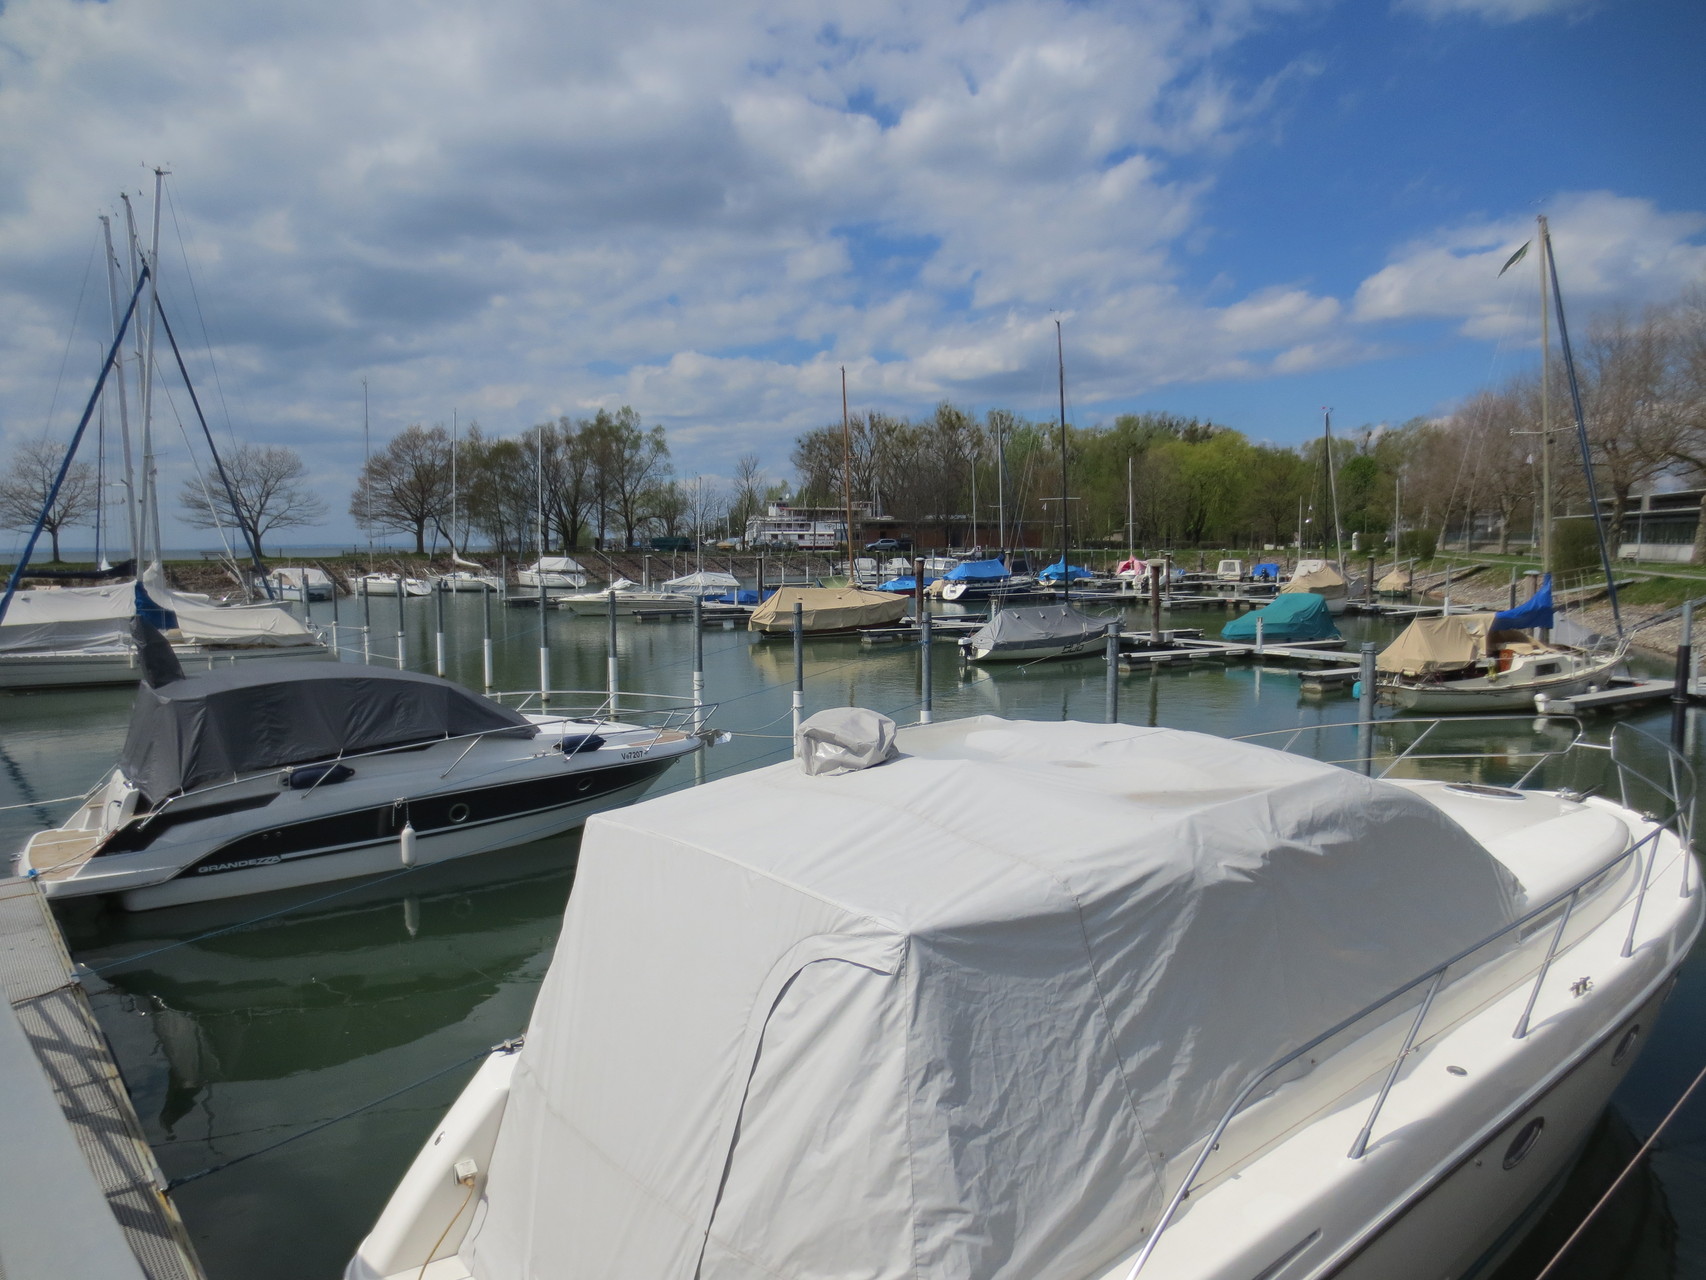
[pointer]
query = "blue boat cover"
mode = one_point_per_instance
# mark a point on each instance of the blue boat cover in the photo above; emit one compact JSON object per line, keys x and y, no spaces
{"x":906,"y":584}
{"x":744,"y":596}
{"x":977,"y":571}
{"x":1055,"y":571}
{"x":1300,"y":616}
{"x":1536,"y":611}
{"x":1267,"y":569}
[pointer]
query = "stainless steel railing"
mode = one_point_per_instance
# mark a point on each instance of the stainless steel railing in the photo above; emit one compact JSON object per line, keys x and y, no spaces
{"x":1677,"y":789}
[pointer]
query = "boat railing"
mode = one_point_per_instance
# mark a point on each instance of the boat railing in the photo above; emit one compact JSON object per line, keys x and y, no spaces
{"x":1674,"y":786}
{"x":640,"y":710}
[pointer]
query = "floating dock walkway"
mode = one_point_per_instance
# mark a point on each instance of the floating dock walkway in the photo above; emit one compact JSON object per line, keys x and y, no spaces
{"x":86,"y":1201}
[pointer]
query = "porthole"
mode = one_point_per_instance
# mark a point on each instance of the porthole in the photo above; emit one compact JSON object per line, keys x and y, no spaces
{"x":459,"y":813}
{"x":1626,"y":1044}
{"x":1524,"y":1142}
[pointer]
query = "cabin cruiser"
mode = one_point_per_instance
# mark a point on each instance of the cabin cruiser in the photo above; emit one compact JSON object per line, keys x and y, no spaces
{"x":705,"y":584}
{"x":1070,"y":1002}
{"x":1033,"y":633}
{"x":468,"y":580}
{"x":69,"y":637}
{"x":971,"y":580}
{"x":273,"y":775}
{"x":631,"y":598}
{"x":391,"y":584}
{"x":554,"y":573}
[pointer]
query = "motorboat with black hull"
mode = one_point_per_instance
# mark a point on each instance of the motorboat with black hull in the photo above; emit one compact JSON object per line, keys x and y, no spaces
{"x":275,"y":775}
{"x":1072,"y":1002}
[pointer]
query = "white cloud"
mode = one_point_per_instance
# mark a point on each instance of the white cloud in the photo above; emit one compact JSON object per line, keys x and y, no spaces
{"x":1608,"y":249}
{"x":1496,"y":11}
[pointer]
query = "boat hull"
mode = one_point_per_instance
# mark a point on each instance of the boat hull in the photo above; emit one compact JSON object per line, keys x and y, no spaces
{"x":1482,"y":695}
{"x":1084,"y":647}
{"x":71,"y":670}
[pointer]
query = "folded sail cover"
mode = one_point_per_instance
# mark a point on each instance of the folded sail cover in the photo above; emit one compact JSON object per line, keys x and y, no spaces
{"x":269,"y":713}
{"x":1438,"y":644}
{"x":962,"y":1016}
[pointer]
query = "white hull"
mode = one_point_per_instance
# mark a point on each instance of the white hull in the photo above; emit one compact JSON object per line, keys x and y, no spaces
{"x":1082,"y":648}
{"x":470,"y":582}
{"x":527,"y":578}
{"x":73,"y":670}
{"x":1483,"y":695}
{"x":590,"y":603}
{"x":381,"y":585}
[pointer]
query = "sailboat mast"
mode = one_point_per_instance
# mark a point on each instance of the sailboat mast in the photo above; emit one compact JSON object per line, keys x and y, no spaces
{"x":1001,"y":489}
{"x":847,"y":473}
{"x":1545,"y":407}
{"x":132,"y":522}
{"x":1130,"y":510}
{"x":1333,"y":492}
{"x":150,"y":493}
{"x":1065,"y":567}
{"x":455,"y":429}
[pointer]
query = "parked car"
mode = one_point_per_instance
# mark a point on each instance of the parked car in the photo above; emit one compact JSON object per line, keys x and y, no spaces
{"x":672,"y":544}
{"x":890,"y":544}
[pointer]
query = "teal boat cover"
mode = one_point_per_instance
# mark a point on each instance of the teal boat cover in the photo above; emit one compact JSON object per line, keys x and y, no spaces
{"x":1301,"y":615}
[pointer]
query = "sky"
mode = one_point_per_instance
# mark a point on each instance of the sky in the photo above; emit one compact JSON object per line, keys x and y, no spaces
{"x":1242,"y":210}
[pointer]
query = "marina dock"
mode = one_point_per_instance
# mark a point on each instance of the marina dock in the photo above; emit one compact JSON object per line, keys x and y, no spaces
{"x":89,"y":1199}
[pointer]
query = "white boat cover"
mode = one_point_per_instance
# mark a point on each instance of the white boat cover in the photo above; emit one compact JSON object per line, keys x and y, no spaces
{"x":555,"y":564}
{"x":97,"y":620}
{"x":295,"y":577}
{"x":837,"y":739}
{"x":827,"y":609}
{"x":1437,"y":644}
{"x":1028,"y":629}
{"x":964,"y":1015}
{"x":705,"y":581}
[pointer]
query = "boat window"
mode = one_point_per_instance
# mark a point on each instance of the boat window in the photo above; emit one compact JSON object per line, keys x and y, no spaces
{"x":1546,"y":669}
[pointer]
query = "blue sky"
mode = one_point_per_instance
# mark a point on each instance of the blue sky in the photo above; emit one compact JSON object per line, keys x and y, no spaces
{"x":1241,"y":209}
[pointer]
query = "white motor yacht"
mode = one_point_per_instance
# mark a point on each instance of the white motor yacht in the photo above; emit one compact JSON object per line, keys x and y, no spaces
{"x":554,"y":573}
{"x":391,"y":584}
{"x":631,"y":598}
{"x":1069,"y":1002}
{"x":273,"y":775}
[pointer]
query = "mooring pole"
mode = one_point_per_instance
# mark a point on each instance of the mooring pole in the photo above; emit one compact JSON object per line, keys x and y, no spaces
{"x":1155,"y":571}
{"x":1259,"y":638}
{"x":918,"y":586}
{"x":1113,"y":700}
{"x":925,"y":675}
{"x":544,"y":645}
{"x":366,"y":621}
{"x":337,"y":645}
{"x":486,"y":637}
{"x":610,"y":655}
{"x":1445,"y":597}
{"x":1679,"y":694}
{"x":698,"y":664}
{"x":402,"y":632}
{"x":799,"y":669}
{"x":438,"y":619}
{"x":1365,"y":708}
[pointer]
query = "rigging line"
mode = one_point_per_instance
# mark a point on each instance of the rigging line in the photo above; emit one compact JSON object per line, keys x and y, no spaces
{"x":175,"y":1183}
{"x":195,"y":297}
{"x":1619,"y":1180}
{"x":201,"y":479}
{"x":70,"y":338}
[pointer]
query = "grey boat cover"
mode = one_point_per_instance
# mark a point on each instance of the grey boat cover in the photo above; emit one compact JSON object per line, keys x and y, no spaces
{"x":965,"y":1016}
{"x":1022,"y":627}
{"x":270,"y":713}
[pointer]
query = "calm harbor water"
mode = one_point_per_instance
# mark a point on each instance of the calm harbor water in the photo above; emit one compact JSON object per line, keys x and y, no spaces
{"x":238,"y":1024}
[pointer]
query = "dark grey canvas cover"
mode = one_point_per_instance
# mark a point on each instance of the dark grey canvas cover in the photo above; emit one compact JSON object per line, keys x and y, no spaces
{"x":1031,"y":625}
{"x":268,"y":713}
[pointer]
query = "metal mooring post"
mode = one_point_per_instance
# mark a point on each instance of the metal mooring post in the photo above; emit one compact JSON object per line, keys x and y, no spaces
{"x":486,"y":637}
{"x":610,"y":655}
{"x":1679,"y":694}
{"x":698,"y":664}
{"x":799,"y":669}
{"x":927,"y":713}
{"x":366,"y":621}
{"x":337,"y":645}
{"x":402,"y":634}
{"x":438,"y":619}
{"x":1113,"y":698}
{"x":1365,"y":708}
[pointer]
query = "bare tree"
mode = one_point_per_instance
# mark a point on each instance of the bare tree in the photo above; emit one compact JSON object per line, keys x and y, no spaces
{"x":25,"y":490}
{"x":749,"y":489}
{"x":267,"y":480}
{"x":407,"y":486}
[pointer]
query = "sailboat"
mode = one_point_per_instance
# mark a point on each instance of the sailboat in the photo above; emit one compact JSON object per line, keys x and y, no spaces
{"x":59,"y":637}
{"x":467,"y":575}
{"x":1326,"y":578}
{"x":1488,"y":662}
{"x":1036,"y":633}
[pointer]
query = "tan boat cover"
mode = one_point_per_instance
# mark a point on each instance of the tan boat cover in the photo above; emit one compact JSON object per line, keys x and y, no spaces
{"x":1397,"y":580}
{"x":827,"y":609}
{"x":1437,"y":644}
{"x":1325,"y":581}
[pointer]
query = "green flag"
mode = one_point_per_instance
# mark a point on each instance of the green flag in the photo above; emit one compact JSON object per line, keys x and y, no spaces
{"x":1515,"y":257}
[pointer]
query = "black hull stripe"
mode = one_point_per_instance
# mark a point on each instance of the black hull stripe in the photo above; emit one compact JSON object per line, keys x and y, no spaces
{"x":429,"y":815}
